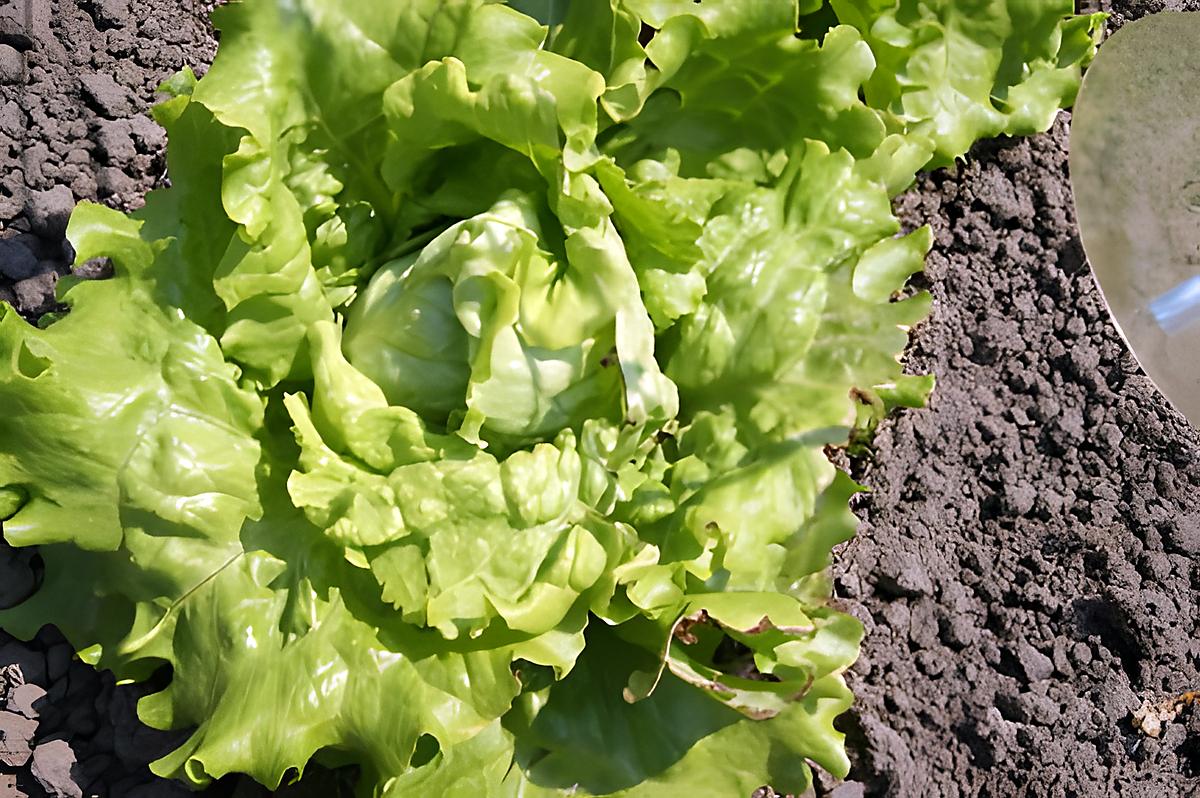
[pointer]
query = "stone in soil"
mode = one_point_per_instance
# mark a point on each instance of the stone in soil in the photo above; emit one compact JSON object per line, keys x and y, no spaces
{"x":52,"y":767}
{"x":24,"y":699}
{"x":16,"y":731}
{"x":12,"y":65}
{"x":94,"y":269}
{"x":49,"y":210}
{"x":17,"y":261}
{"x":35,"y":295}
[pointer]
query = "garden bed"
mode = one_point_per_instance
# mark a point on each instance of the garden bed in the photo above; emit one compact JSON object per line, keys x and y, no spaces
{"x":1027,"y":564}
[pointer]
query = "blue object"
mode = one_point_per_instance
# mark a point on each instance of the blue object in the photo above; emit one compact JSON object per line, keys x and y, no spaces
{"x":1178,"y":308}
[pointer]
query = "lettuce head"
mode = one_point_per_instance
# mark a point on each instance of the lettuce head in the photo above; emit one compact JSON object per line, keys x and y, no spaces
{"x":461,"y":410}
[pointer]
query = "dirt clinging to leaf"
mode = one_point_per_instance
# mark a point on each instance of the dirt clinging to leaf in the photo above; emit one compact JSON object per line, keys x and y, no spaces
{"x":1027,"y":567}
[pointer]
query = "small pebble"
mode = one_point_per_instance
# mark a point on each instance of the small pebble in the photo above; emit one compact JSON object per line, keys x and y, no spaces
{"x":1035,"y":664}
{"x":36,"y":294}
{"x":23,"y":699}
{"x":94,"y":269}
{"x":51,"y":768}
{"x":15,"y":733}
{"x":16,"y":260}
{"x":12,"y":65}
{"x":49,"y":211}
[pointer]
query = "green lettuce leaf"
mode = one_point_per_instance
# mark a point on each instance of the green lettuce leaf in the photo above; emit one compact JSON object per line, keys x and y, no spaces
{"x":523,"y":345}
{"x":81,"y":440}
{"x":438,"y":522}
{"x":675,"y":741}
{"x":954,"y":72}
